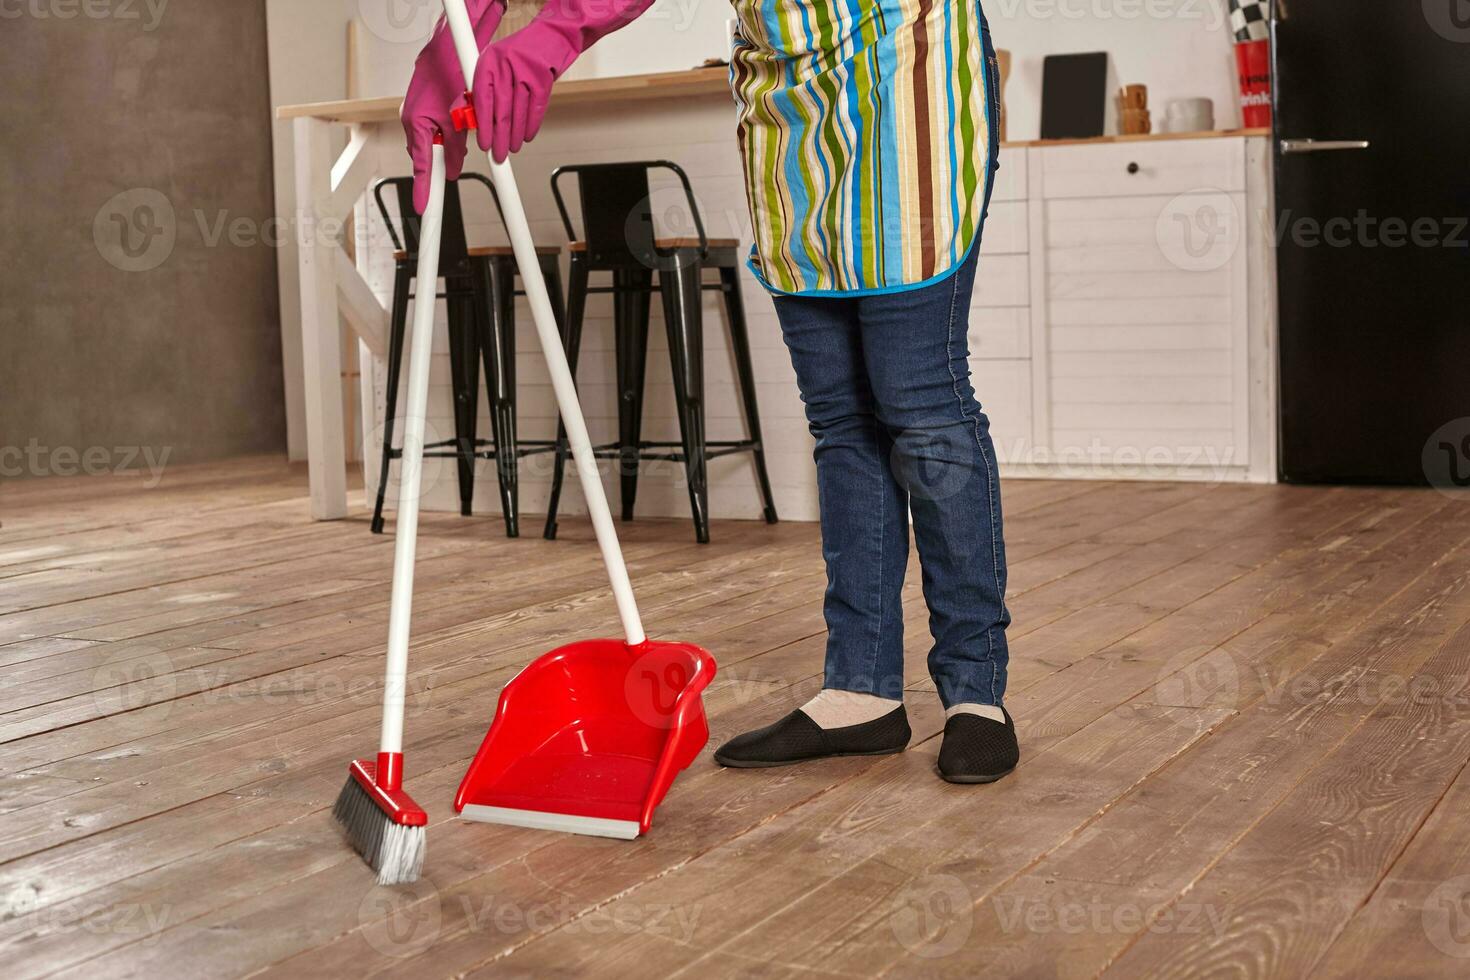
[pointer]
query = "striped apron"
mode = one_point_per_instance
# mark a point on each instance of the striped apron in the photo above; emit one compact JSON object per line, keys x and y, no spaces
{"x":867,"y":131}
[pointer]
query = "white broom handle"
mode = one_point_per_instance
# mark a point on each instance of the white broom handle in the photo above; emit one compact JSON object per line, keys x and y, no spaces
{"x":556,"y":359}
{"x":410,"y":479}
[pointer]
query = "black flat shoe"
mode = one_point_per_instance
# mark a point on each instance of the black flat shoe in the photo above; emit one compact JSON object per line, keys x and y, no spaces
{"x":978,"y":750}
{"x":796,"y":738}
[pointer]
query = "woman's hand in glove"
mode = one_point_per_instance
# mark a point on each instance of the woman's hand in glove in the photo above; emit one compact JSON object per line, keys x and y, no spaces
{"x":438,"y":85}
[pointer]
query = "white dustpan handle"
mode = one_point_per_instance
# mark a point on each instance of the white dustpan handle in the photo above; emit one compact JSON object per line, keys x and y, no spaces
{"x":551,"y":345}
{"x":410,"y":478}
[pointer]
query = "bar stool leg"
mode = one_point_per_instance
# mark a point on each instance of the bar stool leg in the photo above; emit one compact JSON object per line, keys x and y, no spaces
{"x":502,"y":334}
{"x":485,"y":284}
{"x":680,"y":286}
{"x":464,"y":372}
{"x":572,"y":338}
{"x":740,"y":340}
{"x":402,"y":282}
{"x":551,"y":272}
{"x":630,"y":317}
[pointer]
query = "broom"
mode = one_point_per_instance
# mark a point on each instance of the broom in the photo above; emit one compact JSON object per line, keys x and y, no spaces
{"x":382,"y":821}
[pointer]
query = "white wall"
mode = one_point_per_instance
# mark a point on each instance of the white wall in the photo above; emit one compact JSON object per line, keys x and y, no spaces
{"x":1178,"y":48}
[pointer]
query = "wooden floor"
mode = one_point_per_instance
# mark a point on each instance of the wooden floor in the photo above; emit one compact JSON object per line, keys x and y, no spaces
{"x":1243,"y":715}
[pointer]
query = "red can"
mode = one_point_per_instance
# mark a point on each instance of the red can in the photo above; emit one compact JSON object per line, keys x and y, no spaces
{"x":1253,"y":60}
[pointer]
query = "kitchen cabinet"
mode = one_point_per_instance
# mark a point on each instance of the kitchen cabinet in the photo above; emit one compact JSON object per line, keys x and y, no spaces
{"x":1123,"y":318}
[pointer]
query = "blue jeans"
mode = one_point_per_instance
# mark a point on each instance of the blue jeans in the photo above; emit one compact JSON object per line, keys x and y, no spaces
{"x":886,"y":384}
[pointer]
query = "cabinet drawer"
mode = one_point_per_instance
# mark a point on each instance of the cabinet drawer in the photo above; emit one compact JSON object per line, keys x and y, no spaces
{"x":1143,"y":167}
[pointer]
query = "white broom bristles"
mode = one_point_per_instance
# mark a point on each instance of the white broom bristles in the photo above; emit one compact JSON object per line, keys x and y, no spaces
{"x":394,"y":851}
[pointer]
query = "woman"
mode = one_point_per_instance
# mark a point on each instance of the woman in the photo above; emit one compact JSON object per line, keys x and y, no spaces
{"x":868,"y":133}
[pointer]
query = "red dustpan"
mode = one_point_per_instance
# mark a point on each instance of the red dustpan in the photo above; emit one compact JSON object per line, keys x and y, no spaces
{"x":589,"y":737}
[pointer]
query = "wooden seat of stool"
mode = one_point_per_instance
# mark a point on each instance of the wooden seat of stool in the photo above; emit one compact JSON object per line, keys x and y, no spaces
{"x":672,"y":243}
{"x":494,"y":251}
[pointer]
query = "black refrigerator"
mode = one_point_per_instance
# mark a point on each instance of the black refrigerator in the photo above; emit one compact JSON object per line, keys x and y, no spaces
{"x":1372,"y":203}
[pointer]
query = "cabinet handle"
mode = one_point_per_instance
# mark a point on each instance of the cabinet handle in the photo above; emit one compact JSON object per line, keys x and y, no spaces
{"x":1133,"y":168}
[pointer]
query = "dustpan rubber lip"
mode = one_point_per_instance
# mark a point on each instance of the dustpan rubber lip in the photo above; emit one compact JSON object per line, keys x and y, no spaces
{"x":547,"y":820}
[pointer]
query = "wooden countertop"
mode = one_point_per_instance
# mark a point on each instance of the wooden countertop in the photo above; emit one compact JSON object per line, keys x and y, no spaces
{"x":1208,"y":134}
{"x":660,"y":85}
{"x":625,"y":88}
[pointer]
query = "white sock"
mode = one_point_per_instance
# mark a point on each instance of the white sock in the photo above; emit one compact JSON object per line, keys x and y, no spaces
{"x":839,"y":709}
{"x":991,"y":711}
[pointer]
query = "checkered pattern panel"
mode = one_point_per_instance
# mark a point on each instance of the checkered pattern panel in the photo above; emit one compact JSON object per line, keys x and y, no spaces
{"x":1249,"y":19}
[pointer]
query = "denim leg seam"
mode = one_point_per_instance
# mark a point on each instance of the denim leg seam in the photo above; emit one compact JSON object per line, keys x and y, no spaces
{"x":989,"y":483}
{"x":882,"y":531}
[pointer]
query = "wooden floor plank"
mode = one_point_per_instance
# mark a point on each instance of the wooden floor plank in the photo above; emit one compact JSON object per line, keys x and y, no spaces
{"x":1225,"y":532}
{"x":1062,"y":713}
{"x":1289,"y":886}
{"x":1206,"y":798}
{"x":1204,"y":785}
{"x":810,"y":661}
{"x":1416,"y":917}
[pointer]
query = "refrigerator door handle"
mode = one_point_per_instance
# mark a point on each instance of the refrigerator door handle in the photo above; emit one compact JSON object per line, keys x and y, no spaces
{"x":1319,"y":146}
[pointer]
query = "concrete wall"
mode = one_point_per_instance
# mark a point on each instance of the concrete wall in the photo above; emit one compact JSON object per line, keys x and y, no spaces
{"x":138,"y":299}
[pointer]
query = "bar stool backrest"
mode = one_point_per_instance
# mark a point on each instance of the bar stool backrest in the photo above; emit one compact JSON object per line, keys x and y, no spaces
{"x":617,"y":212}
{"x":454,"y":246}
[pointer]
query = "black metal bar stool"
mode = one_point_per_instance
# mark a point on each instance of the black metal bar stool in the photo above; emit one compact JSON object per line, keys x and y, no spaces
{"x":620,"y":239}
{"x":479,"y":289}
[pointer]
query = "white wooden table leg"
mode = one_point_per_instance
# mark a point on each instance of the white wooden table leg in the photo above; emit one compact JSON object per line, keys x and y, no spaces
{"x":320,"y":342}
{"x":367,"y":361}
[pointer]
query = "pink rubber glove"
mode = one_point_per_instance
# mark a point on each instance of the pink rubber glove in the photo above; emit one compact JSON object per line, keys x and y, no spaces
{"x":437,"y":85}
{"x":515,"y":74}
